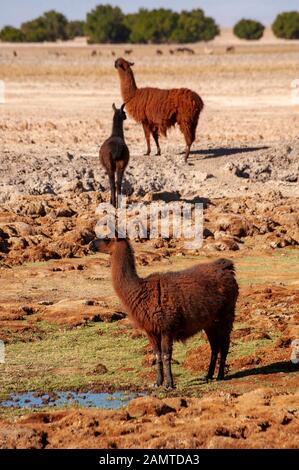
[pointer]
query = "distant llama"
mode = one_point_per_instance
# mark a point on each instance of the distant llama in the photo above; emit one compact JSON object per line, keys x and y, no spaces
{"x":157,"y":110}
{"x":114,"y":154}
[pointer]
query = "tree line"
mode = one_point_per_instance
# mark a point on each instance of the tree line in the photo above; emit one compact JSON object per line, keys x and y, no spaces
{"x":108,"y":24}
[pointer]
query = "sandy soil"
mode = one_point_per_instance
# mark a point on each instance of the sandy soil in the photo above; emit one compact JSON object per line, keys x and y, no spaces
{"x":244,"y":168}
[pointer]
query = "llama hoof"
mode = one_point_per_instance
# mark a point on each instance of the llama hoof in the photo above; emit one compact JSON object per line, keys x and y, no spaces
{"x":205,"y":379}
{"x":146,"y":154}
{"x":158,"y":153}
{"x":169,"y":387}
{"x":155,"y":385}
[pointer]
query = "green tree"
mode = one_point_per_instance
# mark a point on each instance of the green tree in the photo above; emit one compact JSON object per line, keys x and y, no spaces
{"x":74,"y":29}
{"x":249,"y":29}
{"x":34,"y":30}
{"x":11,"y":34}
{"x":194,"y":26}
{"x":105,"y":24}
{"x":151,"y":26}
{"x":286,"y":25}
{"x":48,"y":27}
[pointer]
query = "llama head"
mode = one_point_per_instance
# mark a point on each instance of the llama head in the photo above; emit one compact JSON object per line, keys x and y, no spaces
{"x":122,"y":65}
{"x":105,"y":245}
{"x":119,"y":113}
{"x":102,"y":245}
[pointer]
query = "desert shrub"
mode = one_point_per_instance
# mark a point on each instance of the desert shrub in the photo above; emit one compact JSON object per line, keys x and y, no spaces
{"x":286,"y":25}
{"x":11,"y":34}
{"x":151,"y":26}
{"x":249,"y":29}
{"x":105,"y":24}
{"x":74,"y":29}
{"x":48,"y":27}
{"x":194,"y":26}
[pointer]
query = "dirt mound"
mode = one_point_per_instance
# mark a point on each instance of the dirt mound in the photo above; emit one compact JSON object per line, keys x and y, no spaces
{"x":40,"y":228}
{"x":280,"y":163}
{"x":70,"y":173}
{"x":257,"y":419}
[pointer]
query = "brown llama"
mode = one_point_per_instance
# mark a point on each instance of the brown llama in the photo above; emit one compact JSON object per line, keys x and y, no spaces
{"x":157,"y":110}
{"x":173,"y":306}
{"x":114,"y":154}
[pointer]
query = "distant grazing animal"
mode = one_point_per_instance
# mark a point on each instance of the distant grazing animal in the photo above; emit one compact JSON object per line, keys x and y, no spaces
{"x":157,"y":110}
{"x":230,"y":49}
{"x":114,"y":154}
{"x":173,"y":306}
{"x":128,"y":51}
{"x":159,"y":52}
{"x":171,"y":51}
{"x":15,"y":54}
{"x":113,"y":53}
{"x":93,"y":53}
{"x":188,"y":50}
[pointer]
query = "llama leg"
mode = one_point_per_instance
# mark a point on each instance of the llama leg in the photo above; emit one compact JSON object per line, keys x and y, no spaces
{"x":119,"y":178}
{"x":166,"y":345}
{"x":213,"y":340}
{"x":189,"y":134}
{"x":224,"y":347}
{"x":189,"y":142}
{"x":155,"y":135}
{"x":112,"y":189}
{"x":147,"y":134}
{"x":156,"y":345}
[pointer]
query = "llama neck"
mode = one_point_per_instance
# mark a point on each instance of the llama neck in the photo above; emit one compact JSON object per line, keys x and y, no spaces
{"x":117,"y":128}
{"x":124,"y":276}
{"x":128,"y":86}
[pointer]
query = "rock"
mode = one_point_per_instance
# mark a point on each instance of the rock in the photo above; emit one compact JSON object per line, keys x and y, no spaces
{"x":109,"y":317}
{"x":207,"y":233}
{"x":75,"y":186}
{"x":236,"y":225}
{"x":65,"y":212}
{"x":100,"y":369}
{"x":20,"y":437}
{"x":290,"y":177}
{"x":227,"y":244}
{"x":31,"y":208}
{"x":148,"y":406}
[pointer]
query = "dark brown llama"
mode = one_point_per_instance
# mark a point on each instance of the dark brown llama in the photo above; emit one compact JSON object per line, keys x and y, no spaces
{"x":174,"y":306}
{"x":114,"y":154}
{"x":157,"y":110}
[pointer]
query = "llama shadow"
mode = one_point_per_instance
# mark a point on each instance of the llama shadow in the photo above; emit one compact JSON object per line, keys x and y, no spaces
{"x":168,"y":196}
{"x":276,"y":367}
{"x":206,"y":202}
{"x":225,"y":152}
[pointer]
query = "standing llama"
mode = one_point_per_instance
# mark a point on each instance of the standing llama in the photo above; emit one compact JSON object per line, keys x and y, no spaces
{"x":174,"y":306}
{"x":114,"y":154}
{"x":157,"y":110}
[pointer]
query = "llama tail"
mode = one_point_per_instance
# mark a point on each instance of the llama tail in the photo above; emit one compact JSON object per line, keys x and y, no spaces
{"x":225,"y":264}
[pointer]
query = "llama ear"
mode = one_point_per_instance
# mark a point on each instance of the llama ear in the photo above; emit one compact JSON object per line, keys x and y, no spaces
{"x":122,"y":106}
{"x":131,"y":64}
{"x":114,"y":107}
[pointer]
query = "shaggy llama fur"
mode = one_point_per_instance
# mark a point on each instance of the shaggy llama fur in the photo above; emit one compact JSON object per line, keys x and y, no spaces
{"x":174,"y":306}
{"x":157,"y":110}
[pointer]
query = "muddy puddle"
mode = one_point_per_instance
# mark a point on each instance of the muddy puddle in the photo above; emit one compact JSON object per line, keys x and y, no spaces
{"x":84,"y":399}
